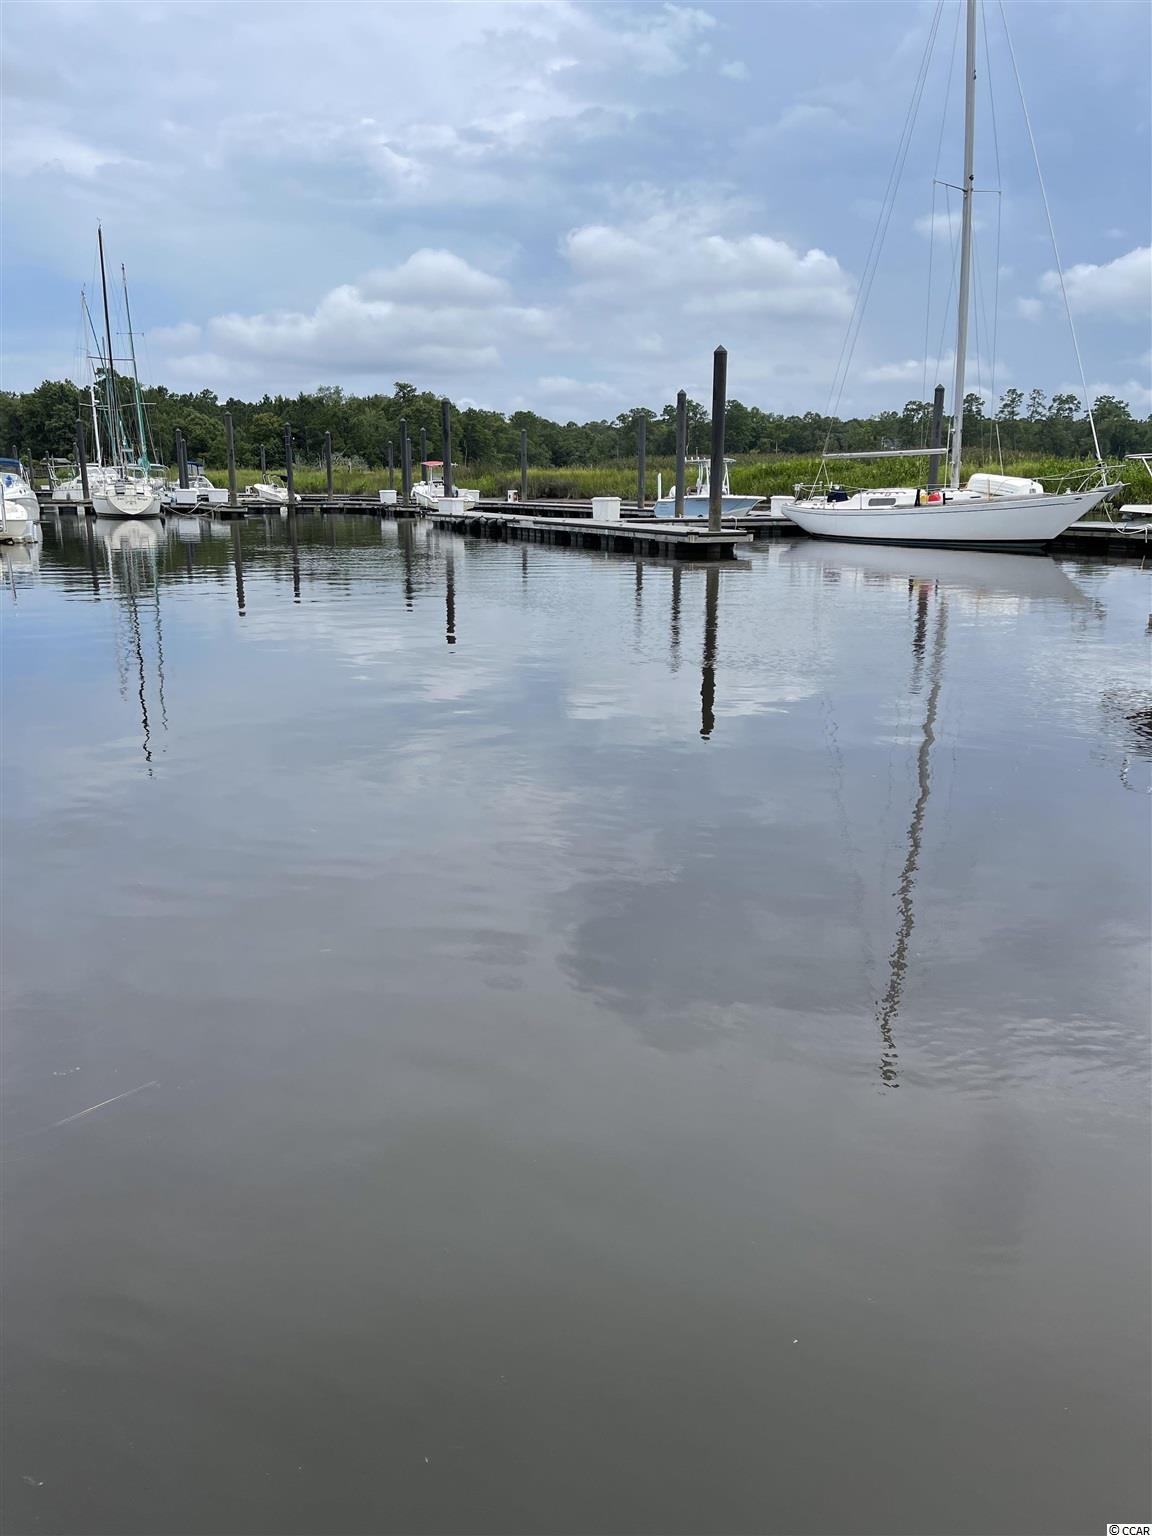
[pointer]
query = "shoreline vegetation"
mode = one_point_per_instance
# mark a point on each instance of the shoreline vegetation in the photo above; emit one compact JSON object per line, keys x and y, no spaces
{"x":749,"y":474}
{"x":1031,"y":435}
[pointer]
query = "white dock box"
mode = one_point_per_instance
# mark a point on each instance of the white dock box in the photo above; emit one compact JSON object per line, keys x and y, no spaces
{"x":388,"y":498}
{"x":452,"y":506}
{"x":605,"y":509}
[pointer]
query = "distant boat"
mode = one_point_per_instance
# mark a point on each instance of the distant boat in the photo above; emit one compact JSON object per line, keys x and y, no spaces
{"x":696,"y":501}
{"x":19,"y":506}
{"x":992,"y":511}
{"x":275,"y":488}
{"x":199,"y":489}
{"x":124,"y":486}
{"x":429,"y":493}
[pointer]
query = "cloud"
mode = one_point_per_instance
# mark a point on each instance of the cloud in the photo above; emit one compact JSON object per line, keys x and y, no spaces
{"x":678,"y":252}
{"x":1029,"y":309}
{"x":433,"y":311}
{"x":1121,"y":288}
{"x":735,"y":69}
{"x":37,"y":150}
{"x":943,"y":224}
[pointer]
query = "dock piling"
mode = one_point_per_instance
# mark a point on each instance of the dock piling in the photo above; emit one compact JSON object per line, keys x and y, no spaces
{"x":288,"y":467}
{"x":405,"y":462}
{"x":934,"y":439}
{"x":181,"y":460}
{"x":681,"y":448}
{"x":523,"y":464}
{"x":328,"y":461}
{"x":263,"y":462}
{"x":230,"y":441}
{"x":424,"y":454}
{"x":641,"y":461}
{"x":82,"y":459}
{"x":446,"y":434}
{"x":719,"y":407}
{"x":391,"y":465}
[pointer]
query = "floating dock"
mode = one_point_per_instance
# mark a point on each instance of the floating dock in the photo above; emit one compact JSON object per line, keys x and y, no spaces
{"x":677,"y":537}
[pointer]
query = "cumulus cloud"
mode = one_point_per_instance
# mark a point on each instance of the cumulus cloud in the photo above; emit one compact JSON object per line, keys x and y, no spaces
{"x":678,"y":253}
{"x":433,"y":310}
{"x":1121,"y":288}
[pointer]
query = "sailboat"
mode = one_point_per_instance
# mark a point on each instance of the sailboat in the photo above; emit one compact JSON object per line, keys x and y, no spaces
{"x":121,"y":485}
{"x":992,"y":511}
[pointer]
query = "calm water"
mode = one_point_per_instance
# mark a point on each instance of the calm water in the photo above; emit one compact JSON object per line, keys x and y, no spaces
{"x":594,"y":1046}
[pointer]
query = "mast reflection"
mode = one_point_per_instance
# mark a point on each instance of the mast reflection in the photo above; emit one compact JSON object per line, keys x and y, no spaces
{"x":888,"y":1006}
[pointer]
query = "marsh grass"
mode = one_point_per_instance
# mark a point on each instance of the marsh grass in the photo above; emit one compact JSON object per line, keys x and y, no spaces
{"x":768,"y":476}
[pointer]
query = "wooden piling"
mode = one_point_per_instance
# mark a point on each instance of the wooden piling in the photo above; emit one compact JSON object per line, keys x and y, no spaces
{"x":391,"y":465}
{"x":328,"y":461}
{"x":405,"y":462}
{"x":446,"y":434}
{"x":288,"y":467}
{"x":230,"y":440}
{"x":181,"y":460}
{"x":935,"y":438}
{"x":82,"y":459}
{"x":523,"y":464}
{"x":641,"y":461}
{"x":263,"y":462}
{"x":681,"y":449}
{"x":423,"y":453}
{"x":719,"y":407}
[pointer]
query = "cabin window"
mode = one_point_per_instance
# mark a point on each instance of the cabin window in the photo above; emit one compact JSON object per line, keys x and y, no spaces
{"x":881,"y":501}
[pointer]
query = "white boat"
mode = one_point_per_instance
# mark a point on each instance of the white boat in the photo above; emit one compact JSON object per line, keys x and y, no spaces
{"x":19,"y":505}
{"x":275,"y":488}
{"x":992,"y":511}
{"x":428,"y":492}
{"x":696,"y":500}
{"x":198,"y":490}
{"x":125,"y":486}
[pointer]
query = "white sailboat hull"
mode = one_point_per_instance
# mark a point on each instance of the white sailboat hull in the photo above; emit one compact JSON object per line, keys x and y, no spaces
{"x":120,"y":501}
{"x":697,"y":506}
{"x":1002,"y":522}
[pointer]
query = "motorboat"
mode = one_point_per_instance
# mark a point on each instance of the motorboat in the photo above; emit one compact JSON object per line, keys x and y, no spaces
{"x":697,"y":500}
{"x":274,"y":488}
{"x":19,"y":505}
{"x":199,"y":490}
{"x":428,"y":492}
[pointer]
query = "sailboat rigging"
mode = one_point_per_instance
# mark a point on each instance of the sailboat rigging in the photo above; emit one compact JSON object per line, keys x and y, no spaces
{"x":992,"y":511}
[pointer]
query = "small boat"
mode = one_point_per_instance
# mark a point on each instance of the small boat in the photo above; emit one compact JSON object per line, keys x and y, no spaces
{"x":199,"y":489}
{"x":428,"y":492}
{"x":19,"y":506}
{"x":696,"y":501}
{"x":275,"y":488}
{"x":994,"y":511}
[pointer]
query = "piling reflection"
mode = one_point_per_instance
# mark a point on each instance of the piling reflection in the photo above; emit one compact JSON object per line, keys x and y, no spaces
{"x":238,"y":565}
{"x":450,"y":596}
{"x":708,"y":662}
{"x":674,"y":625}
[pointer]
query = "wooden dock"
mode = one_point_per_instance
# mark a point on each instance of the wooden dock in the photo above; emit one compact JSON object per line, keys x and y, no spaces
{"x":682,"y":539}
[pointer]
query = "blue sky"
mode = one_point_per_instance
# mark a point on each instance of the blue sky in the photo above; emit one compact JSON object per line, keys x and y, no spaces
{"x":567,"y":206}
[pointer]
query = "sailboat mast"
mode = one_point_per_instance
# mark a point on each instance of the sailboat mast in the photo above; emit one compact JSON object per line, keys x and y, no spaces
{"x":91,"y":380}
{"x":113,"y":399}
{"x":965,"y":243}
{"x":140,"y":427}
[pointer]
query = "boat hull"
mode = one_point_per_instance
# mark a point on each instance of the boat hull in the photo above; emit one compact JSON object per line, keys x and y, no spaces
{"x":131,"y":501}
{"x":1006,"y":522}
{"x":697,"y":506}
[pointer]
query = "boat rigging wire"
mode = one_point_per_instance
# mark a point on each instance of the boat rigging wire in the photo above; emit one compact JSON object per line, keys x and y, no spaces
{"x":1051,"y":233}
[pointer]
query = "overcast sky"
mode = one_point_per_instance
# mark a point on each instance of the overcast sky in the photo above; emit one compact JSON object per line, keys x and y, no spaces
{"x":567,"y":206}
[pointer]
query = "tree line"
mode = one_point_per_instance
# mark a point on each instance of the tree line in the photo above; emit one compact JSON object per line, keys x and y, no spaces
{"x":40,"y":423}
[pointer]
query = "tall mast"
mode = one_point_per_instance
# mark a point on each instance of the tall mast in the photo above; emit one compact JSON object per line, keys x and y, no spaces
{"x":91,"y":380}
{"x":965,"y":244}
{"x":145,"y":457}
{"x":113,"y":399}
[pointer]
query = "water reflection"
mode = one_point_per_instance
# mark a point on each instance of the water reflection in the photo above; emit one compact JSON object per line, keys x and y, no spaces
{"x":131,"y":547}
{"x":888,"y":1006}
{"x":708,"y":659}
